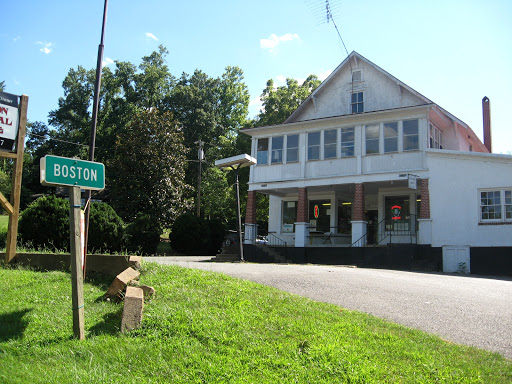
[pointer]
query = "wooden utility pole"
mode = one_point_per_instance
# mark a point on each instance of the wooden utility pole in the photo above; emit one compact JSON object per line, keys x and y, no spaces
{"x":77,"y":282}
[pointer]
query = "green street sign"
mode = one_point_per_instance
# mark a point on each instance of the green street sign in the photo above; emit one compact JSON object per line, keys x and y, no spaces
{"x":59,"y":171}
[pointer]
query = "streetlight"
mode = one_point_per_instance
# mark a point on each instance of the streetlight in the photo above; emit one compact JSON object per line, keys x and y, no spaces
{"x":234,"y":163}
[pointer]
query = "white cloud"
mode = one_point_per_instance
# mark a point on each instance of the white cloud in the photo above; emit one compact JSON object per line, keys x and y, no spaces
{"x":46,"y":47}
{"x":151,"y":36}
{"x":280,"y":80}
{"x":107,"y":61}
{"x":273,"y":41}
{"x":15,"y":39}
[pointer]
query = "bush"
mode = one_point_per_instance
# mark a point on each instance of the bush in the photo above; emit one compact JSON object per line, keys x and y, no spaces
{"x":45,"y":223}
{"x":106,"y":229}
{"x":3,"y":237}
{"x":193,"y":235}
{"x":143,"y":235}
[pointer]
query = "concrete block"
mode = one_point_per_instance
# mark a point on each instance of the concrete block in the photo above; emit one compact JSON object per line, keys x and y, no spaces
{"x":135,"y":261}
{"x":121,"y":281}
{"x":133,"y":308}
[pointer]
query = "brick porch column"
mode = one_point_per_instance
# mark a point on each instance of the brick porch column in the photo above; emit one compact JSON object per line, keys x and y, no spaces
{"x":425,"y":200}
{"x":359,"y":225}
{"x":302,"y":224}
{"x":424,"y":220}
{"x":302,"y":209}
{"x":251,"y":228}
{"x":358,"y":210}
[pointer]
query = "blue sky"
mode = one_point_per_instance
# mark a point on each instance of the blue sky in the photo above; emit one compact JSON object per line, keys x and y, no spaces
{"x":453,"y":52}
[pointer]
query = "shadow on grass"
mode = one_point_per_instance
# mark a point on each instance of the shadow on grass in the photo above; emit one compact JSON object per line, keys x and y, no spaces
{"x":12,"y":325}
{"x":98,"y":279}
{"x":110,"y":325}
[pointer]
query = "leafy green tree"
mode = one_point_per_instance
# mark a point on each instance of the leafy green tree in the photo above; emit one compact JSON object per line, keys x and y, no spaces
{"x":2,"y":86}
{"x":148,"y":169}
{"x":279,"y":103}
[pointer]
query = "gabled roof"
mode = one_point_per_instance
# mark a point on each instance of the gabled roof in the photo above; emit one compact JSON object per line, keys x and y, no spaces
{"x":354,"y":56}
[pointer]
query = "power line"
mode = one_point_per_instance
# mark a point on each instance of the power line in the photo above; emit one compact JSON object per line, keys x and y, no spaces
{"x":54,"y":139}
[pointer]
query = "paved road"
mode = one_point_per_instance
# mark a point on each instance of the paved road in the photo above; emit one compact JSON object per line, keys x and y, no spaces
{"x":466,"y":310}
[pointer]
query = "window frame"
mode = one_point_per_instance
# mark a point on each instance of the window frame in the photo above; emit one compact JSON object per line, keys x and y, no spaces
{"x":279,"y":151}
{"x":348,"y":143}
{"x":504,"y":204}
{"x":295,"y":149}
{"x":284,"y":205}
{"x":330,"y":144}
{"x":374,"y":139}
{"x":417,"y":134}
{"x":310,"y":146}
{"x":262,"y":151}
{"x":387,"y":138}
{"x":356,"y":106}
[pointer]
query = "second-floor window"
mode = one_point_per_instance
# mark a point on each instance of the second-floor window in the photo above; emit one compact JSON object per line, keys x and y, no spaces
{"x":262,"y":151}
{"x":436,"y":137}
{"x":330,"y":143}
{"x":292,"y":148}
{"x":411,"y":135}
{"x":277,"y":149}
{"x":390,"y":137}
{"x":313,"y":145}
{"x":347,"y":142}
{"x":372,"y":133}
{"x":496,"y":205}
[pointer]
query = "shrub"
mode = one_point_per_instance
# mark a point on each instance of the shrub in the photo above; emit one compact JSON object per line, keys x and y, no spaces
{"x":143,"y":235}
{"x":191,"y":234}
{"x":45,"y":223}
{"x":3,"y":236}
{"x":106,"y":229}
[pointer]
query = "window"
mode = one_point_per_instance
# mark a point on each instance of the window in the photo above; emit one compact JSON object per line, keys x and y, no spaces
{"x":313,"y":145}
{"x":411,"y":135}
{"x":320,"y":215}
{"x":292,"y":148}
{"x":289,"y":216}
{"x":372,"y":139}
{"x":436,"y":137}
{"x":262,"y":151}
{"x":277,"y":149}
{"x":330,"y":142}
{"x":357,"y":102}
{"x":496,"y":205}
{"x":397,"y":213}
{"x":390,"y":137}
{"x":347,"y":142}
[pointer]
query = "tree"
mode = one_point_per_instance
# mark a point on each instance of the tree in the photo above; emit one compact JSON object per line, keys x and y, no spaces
{"x":279,"y":103}
{"x":2,"y":86}
{"x":148,"y":169}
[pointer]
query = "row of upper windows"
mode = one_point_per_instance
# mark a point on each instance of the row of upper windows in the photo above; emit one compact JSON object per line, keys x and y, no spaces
{"x":398,"y":136}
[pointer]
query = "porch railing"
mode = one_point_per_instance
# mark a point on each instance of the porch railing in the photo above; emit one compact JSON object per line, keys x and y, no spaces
{"x":275,"y":241}
{"x":402,"y":230}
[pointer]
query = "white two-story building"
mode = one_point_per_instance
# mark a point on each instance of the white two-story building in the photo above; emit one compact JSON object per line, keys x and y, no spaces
{"x":368,"y":162}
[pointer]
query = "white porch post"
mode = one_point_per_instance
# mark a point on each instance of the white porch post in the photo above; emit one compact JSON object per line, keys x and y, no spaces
{"x":359,"y":229}
{"x":301,"y":234}
{"x":251,"y":231}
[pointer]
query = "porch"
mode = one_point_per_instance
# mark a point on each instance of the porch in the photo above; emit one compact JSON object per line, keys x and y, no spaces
{"x":345,"y":216}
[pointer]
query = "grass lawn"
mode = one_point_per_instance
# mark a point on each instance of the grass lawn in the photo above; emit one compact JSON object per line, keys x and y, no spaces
{"x":4,"y":221}
{"x":203,"y":327}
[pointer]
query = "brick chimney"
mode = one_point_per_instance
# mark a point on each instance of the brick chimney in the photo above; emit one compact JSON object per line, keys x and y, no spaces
{"x":486,"y":111}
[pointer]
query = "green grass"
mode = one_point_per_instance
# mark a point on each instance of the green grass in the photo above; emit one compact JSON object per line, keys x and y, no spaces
{"x":204,"y":327}
{"x":4,"y":221}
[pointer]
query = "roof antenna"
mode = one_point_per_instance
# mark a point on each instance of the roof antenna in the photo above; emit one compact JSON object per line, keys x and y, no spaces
{"x":329,"y":16}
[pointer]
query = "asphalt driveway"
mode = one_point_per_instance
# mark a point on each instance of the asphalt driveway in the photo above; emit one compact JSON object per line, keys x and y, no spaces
{"x":462,"y":309}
